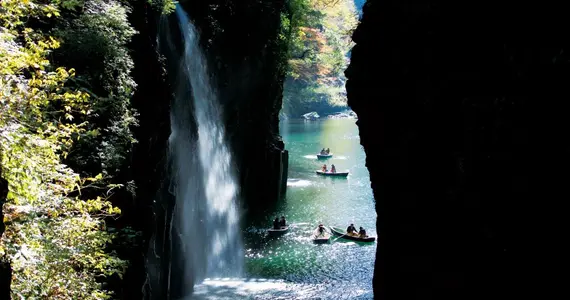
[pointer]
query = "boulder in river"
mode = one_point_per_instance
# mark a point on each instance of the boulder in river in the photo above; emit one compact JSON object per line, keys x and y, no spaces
{"x":343,"y":115}
{"x":311,"y":116}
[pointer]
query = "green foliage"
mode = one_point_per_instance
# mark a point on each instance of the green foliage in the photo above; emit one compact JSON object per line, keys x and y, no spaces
{"x":95,"y":41}
{"x":55,"y":241}
{"x":165,"y":6}
{"x":319,"y":41}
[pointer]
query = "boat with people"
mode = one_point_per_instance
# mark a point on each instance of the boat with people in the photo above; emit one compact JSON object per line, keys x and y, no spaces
{"x":343,"y":234}
{"x":320,"y":235}
{"x":333,"y":174}
{"x":279,"y":227}
{"x":324,"y":154}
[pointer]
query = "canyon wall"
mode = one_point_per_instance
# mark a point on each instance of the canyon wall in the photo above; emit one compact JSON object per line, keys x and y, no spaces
{"x":448,"y":96}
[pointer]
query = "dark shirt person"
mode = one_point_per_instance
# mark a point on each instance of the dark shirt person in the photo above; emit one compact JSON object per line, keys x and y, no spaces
{"x":276,"y":224}
{"x":333,"y":169}
{"x":362,"y":232}
{"x":282,"y":222}
{"x":351,"y":229}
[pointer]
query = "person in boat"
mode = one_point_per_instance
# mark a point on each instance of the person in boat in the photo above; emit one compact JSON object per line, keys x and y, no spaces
{"x":282,"y":222}
{"x":333,"y":169}
{"x":351,"y":230}
{"x":324,"y":168}
{"x":328,"y":151}
{"x":276,"y":223}
{"x":321,"y":229}
{"x":323,"y":152}
{"x":362,"y":233}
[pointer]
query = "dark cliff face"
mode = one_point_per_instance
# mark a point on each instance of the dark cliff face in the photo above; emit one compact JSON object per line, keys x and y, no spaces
{"x":148,"y":212}
{"x":443,"y":92}
{"x":247,"y":63}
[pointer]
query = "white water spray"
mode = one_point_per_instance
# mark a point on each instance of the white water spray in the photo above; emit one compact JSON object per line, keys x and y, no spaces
{"x":206,"y":215}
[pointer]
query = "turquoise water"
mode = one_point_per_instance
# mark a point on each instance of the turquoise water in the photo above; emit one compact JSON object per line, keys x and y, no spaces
{"x":292,"y":266}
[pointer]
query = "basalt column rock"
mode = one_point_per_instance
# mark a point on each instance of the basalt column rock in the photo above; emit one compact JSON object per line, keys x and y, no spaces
{"x":150,"y":212}
{"x":446,"y":94}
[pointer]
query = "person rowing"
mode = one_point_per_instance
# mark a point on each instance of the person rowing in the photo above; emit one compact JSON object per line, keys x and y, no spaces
{"x":362,"y":233}
{"x":282,"y":222}
{"x":351,"y":230}
{"x":320,"y":231}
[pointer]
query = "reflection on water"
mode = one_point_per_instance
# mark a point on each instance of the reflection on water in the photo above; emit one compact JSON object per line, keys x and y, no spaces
{"x":294,"y":266}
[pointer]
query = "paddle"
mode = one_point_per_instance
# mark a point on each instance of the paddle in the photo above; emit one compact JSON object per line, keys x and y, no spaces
{"x":340,"y":237}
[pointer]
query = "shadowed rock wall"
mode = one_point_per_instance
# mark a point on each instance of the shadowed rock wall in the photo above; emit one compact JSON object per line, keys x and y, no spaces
{"x":448,"y":97}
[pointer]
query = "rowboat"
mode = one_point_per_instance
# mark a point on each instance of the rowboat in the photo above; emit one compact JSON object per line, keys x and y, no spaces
{"x":324,"y":156}
{"x":336,"y":174}
{"x":322,"y":239}
{"x":278,"y":232}
{"x":342,"y":233}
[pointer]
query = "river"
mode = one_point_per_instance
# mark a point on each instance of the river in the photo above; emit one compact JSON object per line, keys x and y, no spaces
{"x":292,"y":267}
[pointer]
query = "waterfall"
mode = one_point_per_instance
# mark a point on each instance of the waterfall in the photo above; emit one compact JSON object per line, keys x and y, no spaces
{"x":205,"y":227}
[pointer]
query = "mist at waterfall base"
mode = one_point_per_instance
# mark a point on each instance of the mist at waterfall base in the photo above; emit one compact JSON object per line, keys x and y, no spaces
{"x":205,"y":229}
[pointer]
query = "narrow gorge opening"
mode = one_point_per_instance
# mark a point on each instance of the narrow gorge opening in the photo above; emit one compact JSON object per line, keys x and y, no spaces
{"x":315,"y":116}
{"x":203,"y":180}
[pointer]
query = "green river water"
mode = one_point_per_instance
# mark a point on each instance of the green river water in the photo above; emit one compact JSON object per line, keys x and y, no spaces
{"x":292,"y":266}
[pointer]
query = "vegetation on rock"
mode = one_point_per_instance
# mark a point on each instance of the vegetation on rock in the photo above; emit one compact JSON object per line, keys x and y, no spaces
{"x":319,"y":41}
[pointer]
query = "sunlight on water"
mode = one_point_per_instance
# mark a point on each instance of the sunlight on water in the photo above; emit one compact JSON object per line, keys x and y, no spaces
{"x":340,"y":269}
{"x":255,"y":288}
{"x":298,"y":182}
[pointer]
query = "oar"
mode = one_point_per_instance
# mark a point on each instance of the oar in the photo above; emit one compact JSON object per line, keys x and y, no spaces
{"x":339,"y":236}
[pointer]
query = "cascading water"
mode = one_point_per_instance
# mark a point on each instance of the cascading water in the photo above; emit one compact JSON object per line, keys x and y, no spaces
{"x":206,"y":215}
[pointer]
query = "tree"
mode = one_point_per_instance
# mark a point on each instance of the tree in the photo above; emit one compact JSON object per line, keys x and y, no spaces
{"x":319,"y":42}
{"x":55,"y":242}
